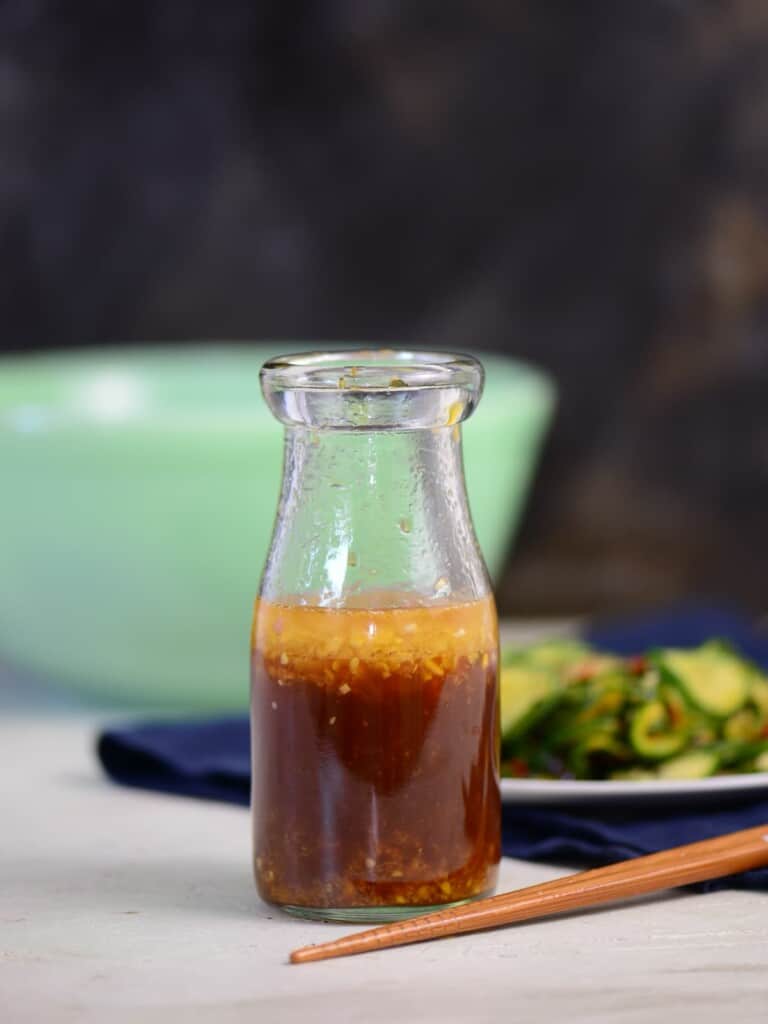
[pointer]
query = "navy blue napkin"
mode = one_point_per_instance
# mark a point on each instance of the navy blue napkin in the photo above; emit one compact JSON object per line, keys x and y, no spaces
{"x":211,"y":759}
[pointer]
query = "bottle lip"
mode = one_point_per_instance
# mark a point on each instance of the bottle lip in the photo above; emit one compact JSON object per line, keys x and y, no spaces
{"x":378,"y":371}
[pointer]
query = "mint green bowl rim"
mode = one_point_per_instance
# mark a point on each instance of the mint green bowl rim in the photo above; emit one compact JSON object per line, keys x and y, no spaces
{"x":526,"y":388}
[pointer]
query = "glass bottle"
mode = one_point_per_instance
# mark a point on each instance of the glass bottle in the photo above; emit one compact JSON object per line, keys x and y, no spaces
{"x":374,"y":671}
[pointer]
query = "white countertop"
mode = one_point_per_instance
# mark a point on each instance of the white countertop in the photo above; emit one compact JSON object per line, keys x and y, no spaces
{"x":119,"y":905}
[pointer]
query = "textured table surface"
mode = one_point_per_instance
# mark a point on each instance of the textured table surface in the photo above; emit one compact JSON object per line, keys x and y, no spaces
{"x":118,"y":905}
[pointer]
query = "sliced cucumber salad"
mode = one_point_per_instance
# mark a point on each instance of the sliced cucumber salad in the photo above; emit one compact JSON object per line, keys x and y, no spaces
{"x":568,"y":711}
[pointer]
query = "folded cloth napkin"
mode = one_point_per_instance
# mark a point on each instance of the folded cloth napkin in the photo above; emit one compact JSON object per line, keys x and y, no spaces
{"x":211,"y":759}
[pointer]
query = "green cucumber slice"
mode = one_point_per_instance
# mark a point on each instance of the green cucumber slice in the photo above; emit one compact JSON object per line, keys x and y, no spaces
{"x":758,"y":694}
{"x":745,"y":726}
{"x":652,"y":733}
{"x":569,"y":731}
{"x":678,"y":709}
{"x":633,"y":775}
{"x":711,"y":678}
{"x":526,"y":694}
{"x":694,"y":764}
{"x":606,"y":694}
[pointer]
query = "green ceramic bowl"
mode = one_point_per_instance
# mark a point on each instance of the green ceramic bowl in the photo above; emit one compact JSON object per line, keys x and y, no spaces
{"x":139,"y":489}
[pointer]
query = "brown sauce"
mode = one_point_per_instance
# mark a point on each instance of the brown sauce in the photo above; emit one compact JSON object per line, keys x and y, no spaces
{"x":375,"y":763}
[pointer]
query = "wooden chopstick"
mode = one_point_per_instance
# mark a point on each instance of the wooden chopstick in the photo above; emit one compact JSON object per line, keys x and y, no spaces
{"x":682,"y":865}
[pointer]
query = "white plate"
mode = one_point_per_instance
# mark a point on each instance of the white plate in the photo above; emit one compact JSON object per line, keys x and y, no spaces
{"x":565,"y":791}
{"x":562,"y":791}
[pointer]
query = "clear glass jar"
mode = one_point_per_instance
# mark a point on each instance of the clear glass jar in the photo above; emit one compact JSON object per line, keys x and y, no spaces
{"x":374,"y":671}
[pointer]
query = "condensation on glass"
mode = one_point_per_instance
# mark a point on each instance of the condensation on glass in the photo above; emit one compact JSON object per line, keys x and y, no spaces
{"x":374,"y":664}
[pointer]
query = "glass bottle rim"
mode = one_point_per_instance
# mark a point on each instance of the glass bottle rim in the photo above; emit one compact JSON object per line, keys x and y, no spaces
{"x":373,"y":370}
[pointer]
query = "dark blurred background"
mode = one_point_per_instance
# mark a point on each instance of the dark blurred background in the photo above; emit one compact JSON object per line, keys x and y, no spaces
{"x":583,"y":184}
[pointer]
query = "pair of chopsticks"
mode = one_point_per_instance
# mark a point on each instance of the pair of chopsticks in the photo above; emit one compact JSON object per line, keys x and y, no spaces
{"x":683,"y":865}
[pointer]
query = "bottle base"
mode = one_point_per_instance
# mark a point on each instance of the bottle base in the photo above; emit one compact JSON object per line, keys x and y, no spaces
{"x":369,"y":915}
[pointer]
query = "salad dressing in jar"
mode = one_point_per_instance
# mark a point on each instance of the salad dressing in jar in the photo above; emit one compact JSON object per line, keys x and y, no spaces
{"x":374,"y":670}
